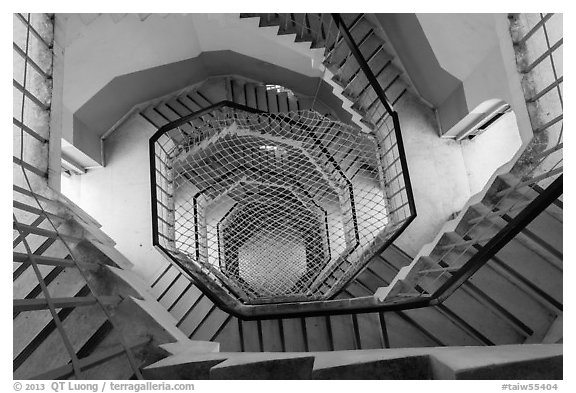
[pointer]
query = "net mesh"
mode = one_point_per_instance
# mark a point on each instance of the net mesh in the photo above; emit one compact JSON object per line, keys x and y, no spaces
{"x":276,"y":207}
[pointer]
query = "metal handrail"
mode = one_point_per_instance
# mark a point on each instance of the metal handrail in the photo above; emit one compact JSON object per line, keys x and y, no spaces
{"x":369,"y":303}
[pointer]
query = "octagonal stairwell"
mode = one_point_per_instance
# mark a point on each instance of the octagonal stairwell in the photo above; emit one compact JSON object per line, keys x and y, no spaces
{"x":200,"y":318}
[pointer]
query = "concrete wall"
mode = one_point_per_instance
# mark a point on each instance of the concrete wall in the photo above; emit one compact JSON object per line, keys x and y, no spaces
{"x":98,"y":49}
{"x":457,"y":62}
{"x":118,"y":195}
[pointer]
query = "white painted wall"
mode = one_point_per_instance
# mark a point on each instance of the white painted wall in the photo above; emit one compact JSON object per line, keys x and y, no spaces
{"x":118,"y":195}
{"x":477,"y":49}
{"x":484,"y":154}
{"x":97,"y":52}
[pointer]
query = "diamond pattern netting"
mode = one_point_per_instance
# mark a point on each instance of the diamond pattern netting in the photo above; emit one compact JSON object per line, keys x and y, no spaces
{"x":275,"y":206}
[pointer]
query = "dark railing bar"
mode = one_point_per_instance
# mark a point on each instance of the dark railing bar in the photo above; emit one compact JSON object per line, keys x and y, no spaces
{"x":399,"y":207}
{"x":32,"y":209}
{"x":33,"y":30}
{"x":501,"y":239}
{"x":474,"y":291}
{"x":361,"y":62}
{"x":388,"y":182}
{"x":549,"y":124}
{"x":22,"y":305}
{"x":392,"y":163}
{"x":545,"y":297}
{"x":28,"y":130}
{"x":26,"y":192}
{"x":28,"y":94}
{"x":396,"y":193}
{"x":447,"y":312}
{"x":377,"y":100}
{"x":359,"y":44}
{"x":384,"y":330}
{"x":21,"y":236}
{"x":162,"y":175}
{"x":203,"y":320}
{"x":90,"y":361}
{"x":165,"y":222}
{"x":181,"y":321}
{"x":357,"y":338}
{"x":549,"y":151}
{"x":163,"y":205}
{"x":533,"y":30}
{"x":23,"y":54}
{"x":164,"y":191}
{"x":377,"y":75}
{"x":528,"y":182}
{"x":551,"y":86}
{"x":552,"y":62}
{"x":390,"y":149}
{"x":542,"y":57}
{"x":161,"y":275}
{"x":384,"y":114}
{"x":30,"y":167}
{"x":221,"y":327}
{"x":169,"y":286}
{"x":371,"y":57}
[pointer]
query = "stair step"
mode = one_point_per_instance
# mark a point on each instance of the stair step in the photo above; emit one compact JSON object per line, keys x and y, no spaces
{"x":229,"y":337}
{"x":102,"y":364}
{"x":370,"y":331}
{"x":170,"y":294}
{"x":211,"y":324}
{"x":49,"y":247}
{"x":264,"y":366}
{"x":28,"y":287}
{"x":238,"y":92}
{"x":514,"y":362}
{"x":43,"y":260}
{"x":532,"y":266}
{"x":165,"y":281}
{"x":272,"y":335}
{"x":372,"y":365}
{"x":196,"y":316}
{"x":272,"y":101}
{"x":33,"y":327}
{"x":403,"y":334}
{"x":512,"y":298}
{"x":184,"y":366}
{"x":153,"y":117}
{"x":251,"y":336}
{"x":317,"y":334}
{"x":343,"y":332}
{"x":262,"y":98}
{"x":441,"y":326}
{"x":195,"y":346}
{"x":294,"y":335}
{"x":24,"y":305}
{"x":210,"y":92}
{"x":79,"y":326}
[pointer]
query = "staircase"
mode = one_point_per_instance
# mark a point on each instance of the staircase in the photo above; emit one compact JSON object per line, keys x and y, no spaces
{"x":87,"y":316}
{"x":485,"y":311}
{"x":504,"y":362}
{"x":343,"y":70}
{"x":516,"y":298}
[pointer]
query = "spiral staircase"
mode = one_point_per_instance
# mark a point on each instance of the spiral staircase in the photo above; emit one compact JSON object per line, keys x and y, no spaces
{"x":80,"y":311}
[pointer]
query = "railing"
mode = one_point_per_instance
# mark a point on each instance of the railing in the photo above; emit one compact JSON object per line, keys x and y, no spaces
{"x":32,"y":82}
{"x":515,"y":198}
{"x":289,"y":157}
{"x":361,"y":84}
{"x":429,"y":281}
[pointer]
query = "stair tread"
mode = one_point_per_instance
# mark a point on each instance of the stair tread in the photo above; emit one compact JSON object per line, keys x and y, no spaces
{"x":229,"y":337}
